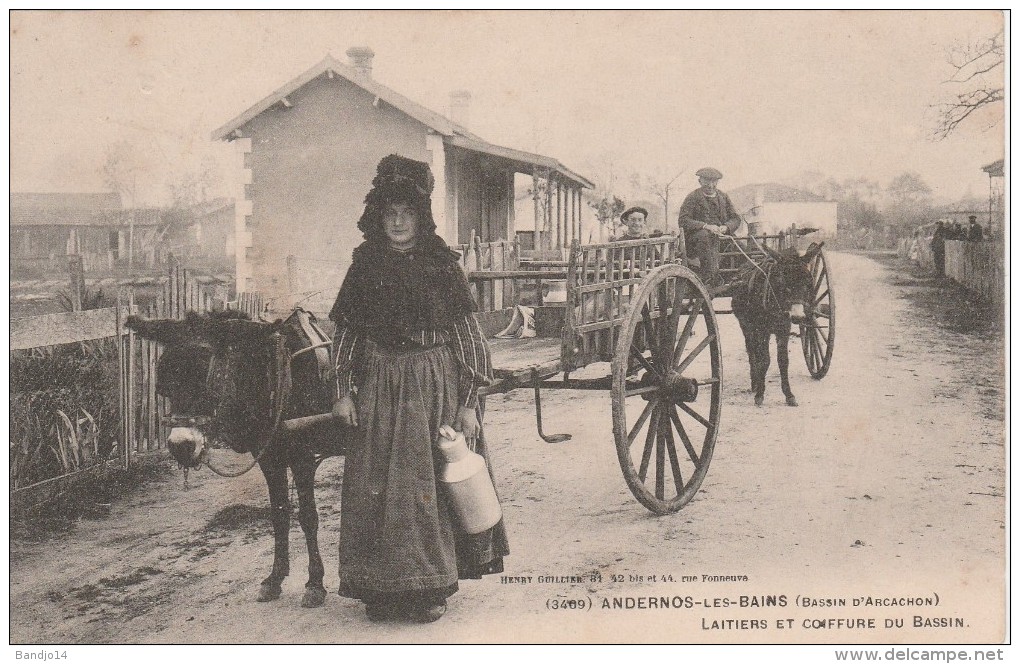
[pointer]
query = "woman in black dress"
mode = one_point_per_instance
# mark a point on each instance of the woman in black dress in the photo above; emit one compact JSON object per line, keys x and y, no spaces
{"x":410,"y":358}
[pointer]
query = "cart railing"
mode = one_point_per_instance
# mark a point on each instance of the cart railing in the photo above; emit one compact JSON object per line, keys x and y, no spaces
{"x":595,"y":285}
{"x":601,"y":280}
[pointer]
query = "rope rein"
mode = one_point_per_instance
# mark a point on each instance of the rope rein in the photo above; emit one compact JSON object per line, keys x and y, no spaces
{"x":770,"y":263}
{"x":277,"y":401}
{"x":278,"y":398}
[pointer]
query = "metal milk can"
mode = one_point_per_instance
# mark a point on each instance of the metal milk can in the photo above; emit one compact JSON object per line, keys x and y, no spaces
{"x":468,"y":485}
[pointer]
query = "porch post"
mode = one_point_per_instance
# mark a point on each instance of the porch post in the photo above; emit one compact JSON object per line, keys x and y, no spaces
{"x":445,"y":224}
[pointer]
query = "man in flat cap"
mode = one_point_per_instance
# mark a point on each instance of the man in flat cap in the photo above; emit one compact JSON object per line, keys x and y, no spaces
{"x":634,"y":220}
{"x":706,"y":215}
{"x":974,"y":231}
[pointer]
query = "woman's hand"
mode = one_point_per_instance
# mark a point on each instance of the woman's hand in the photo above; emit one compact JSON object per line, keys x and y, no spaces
{"x":467,"y":424}
{"x":345,"y":411}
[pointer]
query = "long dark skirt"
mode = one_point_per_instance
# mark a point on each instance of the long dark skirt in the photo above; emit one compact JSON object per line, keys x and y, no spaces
{"x":397,"y":535}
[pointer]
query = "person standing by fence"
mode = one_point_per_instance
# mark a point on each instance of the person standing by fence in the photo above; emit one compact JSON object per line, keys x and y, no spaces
{"x":938,"y":249}
{"x":974,"y":231}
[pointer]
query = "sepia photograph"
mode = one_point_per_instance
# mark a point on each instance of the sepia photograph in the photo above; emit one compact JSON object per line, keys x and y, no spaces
{"x":509,"y":327}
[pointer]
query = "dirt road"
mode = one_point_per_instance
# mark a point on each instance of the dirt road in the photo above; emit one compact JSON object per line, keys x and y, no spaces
{"x":882,"y":492}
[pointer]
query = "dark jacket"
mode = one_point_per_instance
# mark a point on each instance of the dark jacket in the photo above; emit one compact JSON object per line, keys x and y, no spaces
{"x":698,"y":211}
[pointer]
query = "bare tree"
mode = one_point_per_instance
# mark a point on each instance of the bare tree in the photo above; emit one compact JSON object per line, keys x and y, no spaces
{"x":186,"y":191}
{"x":604,"y":199}
{"x":120,"y":174}
{"x":909,"y":201}
{"x":977,"y":81}
{"x":659,"y":185}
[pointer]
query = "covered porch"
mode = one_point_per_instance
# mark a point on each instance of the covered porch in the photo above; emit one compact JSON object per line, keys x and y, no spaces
{"x":481,"y":196}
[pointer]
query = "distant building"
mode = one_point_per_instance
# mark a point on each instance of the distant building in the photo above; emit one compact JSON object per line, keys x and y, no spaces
{"x":48,"y":227}
{"x":307,"y":156}
{"x":996,"y":198}
{"x":777,"y":207}
{"x":203,"y":235}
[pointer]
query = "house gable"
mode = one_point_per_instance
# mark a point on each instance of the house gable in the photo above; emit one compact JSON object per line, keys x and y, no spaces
{"x":311,"y":164}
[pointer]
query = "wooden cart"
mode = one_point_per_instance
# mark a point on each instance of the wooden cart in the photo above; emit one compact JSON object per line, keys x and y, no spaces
{"x":637,"y":306}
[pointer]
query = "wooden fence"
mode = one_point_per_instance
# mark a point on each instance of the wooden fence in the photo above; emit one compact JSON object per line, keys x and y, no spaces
{"x":141,"y":431}
{"x":491,"y":256}
{"x":979,"y":267}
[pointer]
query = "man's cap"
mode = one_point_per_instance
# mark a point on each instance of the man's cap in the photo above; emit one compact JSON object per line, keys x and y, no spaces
{"x":628,"y":211}
{"x":972,"y":217}
{"x":710,"y":173}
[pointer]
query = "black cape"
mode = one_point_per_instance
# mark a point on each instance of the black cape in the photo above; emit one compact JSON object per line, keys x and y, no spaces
{"x":388,"y":295}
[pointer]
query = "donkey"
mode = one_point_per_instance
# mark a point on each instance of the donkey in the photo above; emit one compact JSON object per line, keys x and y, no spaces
{"x":233,"y":381}
{"x":766,"y":298}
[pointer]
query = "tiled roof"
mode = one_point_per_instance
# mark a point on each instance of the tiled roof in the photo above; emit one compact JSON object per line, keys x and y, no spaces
{"x":453,"y":133}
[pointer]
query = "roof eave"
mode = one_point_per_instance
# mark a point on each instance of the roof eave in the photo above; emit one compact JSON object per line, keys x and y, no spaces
{"x":519,"y":156}
{"x":430,"y":119}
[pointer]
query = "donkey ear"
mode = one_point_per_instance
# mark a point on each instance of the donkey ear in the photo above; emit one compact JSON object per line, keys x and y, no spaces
{"x":164,"y":331}
{"x":812,"y":252}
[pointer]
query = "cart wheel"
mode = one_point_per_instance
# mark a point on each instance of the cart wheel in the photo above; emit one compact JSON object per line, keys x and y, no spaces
{"x":818,"y":331}
{"x":666,"y":389}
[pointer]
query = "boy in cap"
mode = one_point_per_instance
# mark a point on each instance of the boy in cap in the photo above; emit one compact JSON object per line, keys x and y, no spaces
{"x":634,"y":220}
{"x":706,"y":215}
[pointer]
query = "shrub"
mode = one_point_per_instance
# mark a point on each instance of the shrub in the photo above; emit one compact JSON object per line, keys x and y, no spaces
{"x":63,"y":409}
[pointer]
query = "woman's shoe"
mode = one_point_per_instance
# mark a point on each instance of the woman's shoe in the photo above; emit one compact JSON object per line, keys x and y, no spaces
{"x":427,"y":613}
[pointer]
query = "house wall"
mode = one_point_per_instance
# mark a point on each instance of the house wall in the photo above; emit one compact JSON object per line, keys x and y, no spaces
{"x":311,"y":166}
{"x":211,"y":236}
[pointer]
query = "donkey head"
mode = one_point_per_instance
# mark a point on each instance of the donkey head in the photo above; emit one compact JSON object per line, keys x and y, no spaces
{"x":793,"y":283}
{"x":221,"y":374}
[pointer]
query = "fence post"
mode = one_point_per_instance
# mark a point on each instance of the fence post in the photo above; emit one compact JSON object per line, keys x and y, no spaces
{"x":77,"y":273}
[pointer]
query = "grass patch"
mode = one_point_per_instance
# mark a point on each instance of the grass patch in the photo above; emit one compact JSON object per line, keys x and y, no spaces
{"x":947,"y":303}
{"x":89,"y":498}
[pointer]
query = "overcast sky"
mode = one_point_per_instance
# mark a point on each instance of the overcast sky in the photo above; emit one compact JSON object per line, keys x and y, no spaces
{"x":762,"y":96}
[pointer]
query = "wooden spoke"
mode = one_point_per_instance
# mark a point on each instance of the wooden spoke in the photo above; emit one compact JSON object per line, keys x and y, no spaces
{"x":645,"y":389}
{"x":651,"y":336}
{"x":817,"y":340}
{"x":812,"y":354}
{"x":690,"y":411}
{"x":821,"y":339}
{"x":646,"y":455}
{"x":694,"y":353}
{"x":646,"y":323}
{"x":818,"y":347}
{"x":640,"y":422}
{"x":675,"y":417}
{"x":681,"y":344}
{"x":672,"y":314}
{"x":674,"y":462}
{"x":660,"y":456}
{"x":637,"y":355}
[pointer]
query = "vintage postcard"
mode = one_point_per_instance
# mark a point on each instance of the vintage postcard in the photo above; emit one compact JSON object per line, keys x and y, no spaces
{"x":717,"y":298}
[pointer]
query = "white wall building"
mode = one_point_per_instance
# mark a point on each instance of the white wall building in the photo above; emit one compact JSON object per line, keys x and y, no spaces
{"x":776,"y":207}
